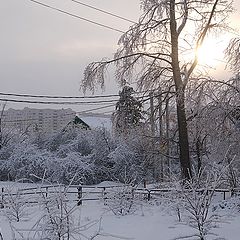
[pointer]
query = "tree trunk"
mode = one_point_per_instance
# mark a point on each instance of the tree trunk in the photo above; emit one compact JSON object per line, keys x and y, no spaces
{"x":167,"y":138}
{"x":199,"y":154}
{"x":183,"y":138}
{"x":0,"y":133}
{"x":180,"y":98}
{"x":152,"y":122}
{"x":161,"y":158}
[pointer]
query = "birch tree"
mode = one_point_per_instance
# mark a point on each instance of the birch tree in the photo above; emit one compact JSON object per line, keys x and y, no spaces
{"x":161,"y":50}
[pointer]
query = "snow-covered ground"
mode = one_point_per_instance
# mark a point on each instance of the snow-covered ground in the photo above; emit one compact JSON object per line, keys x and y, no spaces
{"x":150,"y":221}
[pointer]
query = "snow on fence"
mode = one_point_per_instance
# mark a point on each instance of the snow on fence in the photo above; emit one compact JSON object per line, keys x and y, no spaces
{"x":74,"y":193}
{"x":82,"y":193}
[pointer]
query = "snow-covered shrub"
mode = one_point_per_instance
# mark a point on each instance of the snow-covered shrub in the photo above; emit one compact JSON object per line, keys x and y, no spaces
{"x":14,"y":141}
{"x":56,"y":216}
{"x":72,"y":166}
{"x":15,"y":204}
{"x":195,"y":199}
{"x":74,"y":152}
{"x":103,"y":145}
{"x":84,"y":154}
{"x":25,"y":160}
{"x":92,"y":156}
{"x":130,"y":163}
{"x":56,"y":220}
{"x":125,"y":164}
{"x":121,"y":200}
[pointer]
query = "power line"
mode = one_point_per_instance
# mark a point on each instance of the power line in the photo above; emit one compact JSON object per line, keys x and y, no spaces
{"x":58,"y":103}
{"x":85,"y":111}
{"x":77,"y":16}
{"x":57,"y":97}
{"x":107,"y":112}
{"x":63,"y":103}
{"x":65,"y":97}
{"x":103,"y":11}
{"x":93,"y":109}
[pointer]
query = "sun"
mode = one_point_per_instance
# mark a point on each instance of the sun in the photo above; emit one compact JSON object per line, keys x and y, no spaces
{"x":211,"y":53}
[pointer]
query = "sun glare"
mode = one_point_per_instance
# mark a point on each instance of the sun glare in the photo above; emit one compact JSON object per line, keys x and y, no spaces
{"x":211,"y":52}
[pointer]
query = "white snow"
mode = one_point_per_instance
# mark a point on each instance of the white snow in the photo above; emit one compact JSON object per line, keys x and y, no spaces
{"x":97,"y":122}
{"x":151,"y":221}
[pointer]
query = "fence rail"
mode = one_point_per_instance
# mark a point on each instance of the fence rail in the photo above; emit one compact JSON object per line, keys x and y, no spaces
{"x":89,"y":193}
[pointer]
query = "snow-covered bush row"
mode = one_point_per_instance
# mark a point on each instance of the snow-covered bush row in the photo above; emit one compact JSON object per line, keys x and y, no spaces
{"x":87,"y":156}
{"x":92,"y":156}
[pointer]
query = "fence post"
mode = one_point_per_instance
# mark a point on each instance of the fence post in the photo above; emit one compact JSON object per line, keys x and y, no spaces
{"x":46,"y":192}
{"x":224,"y":195}
{"x":144,"y":183}
{"x":104,"y":195}
{"x":149,"y":195}
{"x":132,"y":191}
{"x":232,"y":192}
{"x":79,"y":195}
{"x":2,"y":199}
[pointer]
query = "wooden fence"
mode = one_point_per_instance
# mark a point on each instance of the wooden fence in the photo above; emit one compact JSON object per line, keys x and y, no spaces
{"x":88,"y":193}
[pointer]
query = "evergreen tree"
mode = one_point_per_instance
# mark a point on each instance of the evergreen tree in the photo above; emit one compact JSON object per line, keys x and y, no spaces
{"x":128,"y":114}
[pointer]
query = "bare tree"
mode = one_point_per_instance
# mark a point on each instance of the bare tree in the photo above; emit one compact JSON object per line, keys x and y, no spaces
{"x":16,"y":206}
{"x":233,"y":54}
{"x":195,"y":201}
{"x":161,"y":49}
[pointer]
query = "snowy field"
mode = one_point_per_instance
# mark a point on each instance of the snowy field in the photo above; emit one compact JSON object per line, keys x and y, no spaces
{"x":96,"y":220}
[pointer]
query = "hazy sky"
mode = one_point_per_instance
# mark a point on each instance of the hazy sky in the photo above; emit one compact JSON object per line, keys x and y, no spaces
{"x":45,"y":52}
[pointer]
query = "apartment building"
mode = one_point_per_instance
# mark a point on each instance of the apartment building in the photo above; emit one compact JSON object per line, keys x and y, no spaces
{"x":33,"y":120}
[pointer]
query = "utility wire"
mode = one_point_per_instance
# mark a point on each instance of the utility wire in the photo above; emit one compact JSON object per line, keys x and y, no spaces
{"x":104,"y":113}
{"x":57,"y":97}
{"x":64,"y":103}
{"x":93,"y":109}
{"x":61,"y":115}
{"x":41,"y":102}
{"x":77,"y":16}
{"x":65,"y":97}
{"x":103,"y":11}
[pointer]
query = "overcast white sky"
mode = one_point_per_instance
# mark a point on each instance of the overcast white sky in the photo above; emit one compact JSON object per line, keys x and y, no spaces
{"x":45,"y":52}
